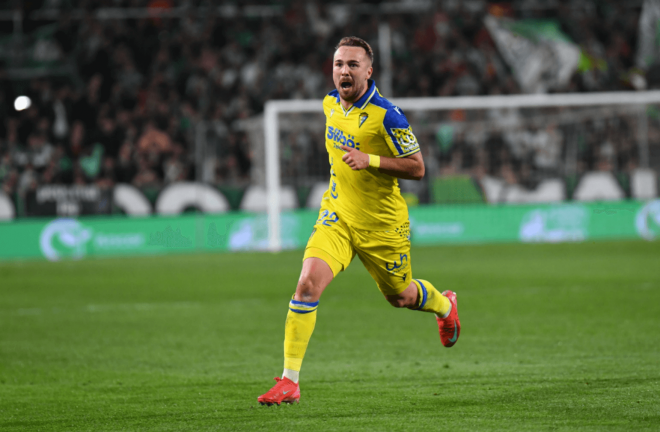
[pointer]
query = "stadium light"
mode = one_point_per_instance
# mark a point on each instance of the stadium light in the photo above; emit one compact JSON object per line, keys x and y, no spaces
{"x":22,"y":103}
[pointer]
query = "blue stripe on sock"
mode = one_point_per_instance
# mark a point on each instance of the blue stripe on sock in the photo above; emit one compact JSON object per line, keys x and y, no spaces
{"x":299,"y":303}
{"x":424,"y":294}
{"x":301,"y":311}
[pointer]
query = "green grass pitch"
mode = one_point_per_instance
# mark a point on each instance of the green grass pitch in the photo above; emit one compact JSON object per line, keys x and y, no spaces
{"x":554,"y":337}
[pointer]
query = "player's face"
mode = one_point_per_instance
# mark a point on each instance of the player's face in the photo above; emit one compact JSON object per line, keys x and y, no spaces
{"x":352,"y":68}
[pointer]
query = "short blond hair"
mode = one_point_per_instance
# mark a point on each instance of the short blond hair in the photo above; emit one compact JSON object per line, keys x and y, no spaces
{"x":354,"y":41}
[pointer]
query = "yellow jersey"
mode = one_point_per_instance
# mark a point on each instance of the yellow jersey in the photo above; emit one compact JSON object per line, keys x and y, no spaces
{"x":366,"y":199}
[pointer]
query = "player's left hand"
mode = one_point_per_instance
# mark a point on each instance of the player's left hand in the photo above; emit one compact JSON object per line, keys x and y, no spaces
{"x":354,"y":158}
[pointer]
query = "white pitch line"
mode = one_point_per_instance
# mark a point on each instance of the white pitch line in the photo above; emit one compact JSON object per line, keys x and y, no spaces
{"x":100,"y":308}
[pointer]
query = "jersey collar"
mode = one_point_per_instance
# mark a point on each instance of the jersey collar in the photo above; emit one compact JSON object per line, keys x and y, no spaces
{"x":366,"y":97}
{"x":364,"y":100}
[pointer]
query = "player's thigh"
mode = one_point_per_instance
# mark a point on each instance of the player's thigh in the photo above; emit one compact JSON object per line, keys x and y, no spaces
{"x":386,"y":256}
{"x":331,"y":242}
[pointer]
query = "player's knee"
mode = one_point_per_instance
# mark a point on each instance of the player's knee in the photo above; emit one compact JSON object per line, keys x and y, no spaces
{"x":308,"y":290}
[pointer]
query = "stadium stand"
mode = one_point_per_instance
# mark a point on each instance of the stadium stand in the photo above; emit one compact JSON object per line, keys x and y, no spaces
{"x":115,"y":97}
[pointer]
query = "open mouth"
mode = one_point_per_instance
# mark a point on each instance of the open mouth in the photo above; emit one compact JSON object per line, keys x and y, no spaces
{"x":346,"y":85}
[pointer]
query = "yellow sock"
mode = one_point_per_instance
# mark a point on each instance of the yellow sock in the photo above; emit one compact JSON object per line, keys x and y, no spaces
{"x":430,"y":299}
{"x":298,"y":330}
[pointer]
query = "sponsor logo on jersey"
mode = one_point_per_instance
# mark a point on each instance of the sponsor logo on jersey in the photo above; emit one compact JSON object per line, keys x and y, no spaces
{"x":396,"y":267}
{"x":340,"y":137}
{"x":332,"y":111}
{"x":333,"y":191}
{"x":406,"y":138}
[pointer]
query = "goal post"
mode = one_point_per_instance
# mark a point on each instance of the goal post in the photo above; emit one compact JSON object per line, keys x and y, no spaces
{"x":274,"y":108}
{"x":272,"y":142}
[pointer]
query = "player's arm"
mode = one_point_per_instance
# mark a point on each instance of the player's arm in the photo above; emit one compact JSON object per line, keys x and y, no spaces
{"x":408,"y":167}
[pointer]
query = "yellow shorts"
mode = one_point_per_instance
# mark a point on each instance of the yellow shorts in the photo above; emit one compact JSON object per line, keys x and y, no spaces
{"x":385,"y":254}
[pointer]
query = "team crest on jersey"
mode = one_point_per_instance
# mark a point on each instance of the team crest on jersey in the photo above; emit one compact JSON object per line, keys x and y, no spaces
{"x":363,"y":118}
{"x":332,"y":111}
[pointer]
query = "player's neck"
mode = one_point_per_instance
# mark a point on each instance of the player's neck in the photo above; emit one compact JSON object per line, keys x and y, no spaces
{"x":346,"y":104}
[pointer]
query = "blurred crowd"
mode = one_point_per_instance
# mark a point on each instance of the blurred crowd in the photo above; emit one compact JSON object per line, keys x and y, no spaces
{"x":140,"y":86}
{"x":559,"y":147}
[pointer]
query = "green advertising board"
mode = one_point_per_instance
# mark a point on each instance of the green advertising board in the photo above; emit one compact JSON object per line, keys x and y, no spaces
{"x":56,"y":239}
{"x":535,"y":223}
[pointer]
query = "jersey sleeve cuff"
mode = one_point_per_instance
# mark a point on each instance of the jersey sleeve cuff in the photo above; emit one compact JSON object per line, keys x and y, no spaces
{"x":409,"y":153}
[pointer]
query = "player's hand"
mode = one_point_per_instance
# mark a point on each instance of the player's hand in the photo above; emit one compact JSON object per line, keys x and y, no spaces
{"x":354,"y":158}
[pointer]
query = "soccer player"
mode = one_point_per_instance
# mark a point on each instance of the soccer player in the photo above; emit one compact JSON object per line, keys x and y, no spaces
{"x":370,"y":144}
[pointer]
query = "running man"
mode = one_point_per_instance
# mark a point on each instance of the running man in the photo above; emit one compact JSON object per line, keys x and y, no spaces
{"x":370,"y":144}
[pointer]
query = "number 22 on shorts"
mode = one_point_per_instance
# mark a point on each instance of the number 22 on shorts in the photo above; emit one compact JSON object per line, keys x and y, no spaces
{"x":326,"y":219}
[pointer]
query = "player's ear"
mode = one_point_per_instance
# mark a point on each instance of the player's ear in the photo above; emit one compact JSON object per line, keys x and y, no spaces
{"x":370,"y":71}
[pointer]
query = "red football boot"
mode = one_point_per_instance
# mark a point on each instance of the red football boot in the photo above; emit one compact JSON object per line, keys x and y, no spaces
{"x":284,"y":391}
{"x":450,"y":327}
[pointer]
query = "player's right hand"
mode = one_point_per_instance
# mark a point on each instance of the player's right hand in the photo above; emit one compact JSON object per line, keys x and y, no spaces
{"x":354,"y":158}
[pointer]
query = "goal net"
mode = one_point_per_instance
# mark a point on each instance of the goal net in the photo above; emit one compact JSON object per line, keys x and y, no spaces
{"x":492,"y":150}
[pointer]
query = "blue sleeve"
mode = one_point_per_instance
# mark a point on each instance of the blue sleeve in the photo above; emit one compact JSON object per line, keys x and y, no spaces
{"x":399,"y":134}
